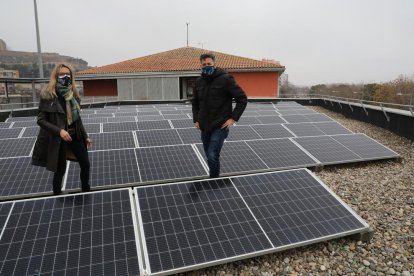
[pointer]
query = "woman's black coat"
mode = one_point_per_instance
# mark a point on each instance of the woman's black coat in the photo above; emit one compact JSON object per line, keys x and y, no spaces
{"x":51,"y":118}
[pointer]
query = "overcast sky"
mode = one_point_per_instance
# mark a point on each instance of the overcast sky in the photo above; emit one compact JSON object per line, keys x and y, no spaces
{"x":319,"y":41}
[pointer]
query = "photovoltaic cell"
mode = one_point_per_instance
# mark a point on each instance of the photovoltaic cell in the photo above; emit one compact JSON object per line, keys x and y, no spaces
{"x":189,"y":135}
{"x":175,"y":116}
{"x":365,"y":147}
{"x":86,"y":234}
{"x":121,"y":126}
{"x":332,"y":128}
{"x":112,"y":140}
{"x":94,"y":120}
{"x":281,"y":153}
{"x":185,"y":123}
{"x":22,"y":119}
{"x":121,"y":119}
{"x":5,"y":209}
{"x":4,"y":125}
{"x":31,"y":132}
{"x":159,"y":137}
{"x":16,"y":147}
{"x":327,"y":150}
{"x":169,"y":162}
{"x":25,"y":124}
{"x":6,"y":133}
{"x":271,"y":120}
{"x":195,"y":223}
{"x":272,"y":131}
{"x":19,"y":177}
{"x":248,"y":121}
{"x":237,"y":157}
{"x":294,"y":207}
{"x":92,"y":128}
{"x":108,"y":168}
{"x":149,"y":118}
{"x":239,"y":133}
{"x":305,"y":129}
{"x":147,"y":125}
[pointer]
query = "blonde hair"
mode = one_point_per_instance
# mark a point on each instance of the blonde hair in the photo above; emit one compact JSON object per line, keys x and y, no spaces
{"x":51,"y":86}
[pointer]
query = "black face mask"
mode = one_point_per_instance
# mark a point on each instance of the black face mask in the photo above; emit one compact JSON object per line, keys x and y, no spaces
{"x":65,"y":80}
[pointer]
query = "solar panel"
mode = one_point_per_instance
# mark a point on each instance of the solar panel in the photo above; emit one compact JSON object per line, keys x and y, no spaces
{"x":327,"y":150}
{"x":189,"y":225}
{"x":121,"y":126}
{"x":16,"y":147}
{"x":175,"y":116}
{"x":184,"y":123}
{"x":169,"y":162}
{"x":5,"y":209}
{"x":25,"y":124}
{"x":31,"y":132}
{"x":250,"y":113}
{"x":171,"y":112}
{"x":121,"y":119}
{"x":4,"y":125}
{"x":248,"y":121}
{"x":318,"y":117}
{"x":86,"y":234}
{"x":147,"y":125}
{"x":271,"y":120}
{"x":281,"y":153}
{"x":126,"y":114}
{"x":149,"y":118}
{"x":189,"y":135}
{"x":19,"y":177}
{"x":94,"y":120}
{"x":149,"y":113}
{"x":236,"y":157}
{"x":108,"y":168}
{"x":267,"y":112}
{"x":21,"y":119}
{"x":365,"y":147}
{"x":304,"y":129}
{"x":100,"y":115}
{"x":295,"y":208}
{"x":6,"y":133}
{"x":332,"y":128}
{"x":159,"y":137}
{"x":272,"y":131}
{"x":195,"y":223}
{"x":239,"y":133}
{"x":296,"y":111}
{"x":112,"y":140}
{"x":92,"y":128}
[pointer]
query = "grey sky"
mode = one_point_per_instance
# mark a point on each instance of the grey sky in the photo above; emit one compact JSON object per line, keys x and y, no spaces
{"x":319,"y":41}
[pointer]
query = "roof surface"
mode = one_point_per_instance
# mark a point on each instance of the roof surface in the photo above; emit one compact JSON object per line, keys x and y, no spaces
{"x":181,"y":59}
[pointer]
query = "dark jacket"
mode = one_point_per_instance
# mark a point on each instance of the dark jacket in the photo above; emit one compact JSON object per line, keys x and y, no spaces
{"x":52,"y":118}
{"x":212,"y":102}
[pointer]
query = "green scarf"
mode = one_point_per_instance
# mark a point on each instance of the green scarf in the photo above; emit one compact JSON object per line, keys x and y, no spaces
{"x":72,"y":105}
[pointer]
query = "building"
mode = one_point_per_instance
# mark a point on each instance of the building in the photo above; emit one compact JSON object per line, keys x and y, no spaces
{"x":7,"y":74}
{"x":171,"y":75}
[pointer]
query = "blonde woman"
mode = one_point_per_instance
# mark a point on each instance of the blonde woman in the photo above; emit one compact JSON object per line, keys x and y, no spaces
{"x":62,"y":135}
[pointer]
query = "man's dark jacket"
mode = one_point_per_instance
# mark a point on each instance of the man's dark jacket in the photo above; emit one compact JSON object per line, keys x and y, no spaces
{"x":52,"y":118}
{"x":212,"y":102}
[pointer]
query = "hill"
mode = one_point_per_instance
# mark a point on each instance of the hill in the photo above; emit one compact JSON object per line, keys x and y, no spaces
{"x":26,"y":62}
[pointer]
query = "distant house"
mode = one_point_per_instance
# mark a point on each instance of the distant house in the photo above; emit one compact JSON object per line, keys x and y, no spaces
{"x":171,"y":75}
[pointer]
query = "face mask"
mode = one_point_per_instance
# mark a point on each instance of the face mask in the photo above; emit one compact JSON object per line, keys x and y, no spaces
{"x":208,"y":70}
{"x":65,"y":80}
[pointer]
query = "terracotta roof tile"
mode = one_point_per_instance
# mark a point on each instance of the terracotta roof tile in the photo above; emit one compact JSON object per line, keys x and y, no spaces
{"x":181,"y":59}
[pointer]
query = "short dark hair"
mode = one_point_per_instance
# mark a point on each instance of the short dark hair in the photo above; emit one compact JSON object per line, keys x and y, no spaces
{"x":208,"y":55}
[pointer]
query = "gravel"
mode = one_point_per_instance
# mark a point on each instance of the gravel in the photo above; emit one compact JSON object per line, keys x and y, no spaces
{"x":381,"y":192}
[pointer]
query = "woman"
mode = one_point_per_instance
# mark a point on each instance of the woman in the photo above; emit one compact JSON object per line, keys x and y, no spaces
{"x":62,"y":133}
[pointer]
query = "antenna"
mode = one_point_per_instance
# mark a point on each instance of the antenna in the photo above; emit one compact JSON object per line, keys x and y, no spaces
{"x":187,"y":23}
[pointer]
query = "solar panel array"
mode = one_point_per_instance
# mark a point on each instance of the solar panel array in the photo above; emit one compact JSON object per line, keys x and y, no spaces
{"x":157,"y":140}
{"x":194,"y":224}
{"x":177,"y":226}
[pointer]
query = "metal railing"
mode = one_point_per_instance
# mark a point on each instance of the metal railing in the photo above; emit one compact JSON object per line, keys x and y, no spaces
{"x":384,"y":106}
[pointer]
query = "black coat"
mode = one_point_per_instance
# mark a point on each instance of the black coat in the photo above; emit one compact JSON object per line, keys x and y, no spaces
{"x":212,"y":102}
{"x":52,"y":118}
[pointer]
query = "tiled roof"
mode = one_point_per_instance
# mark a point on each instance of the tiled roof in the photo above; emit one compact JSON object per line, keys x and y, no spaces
{"x":181,"y":59}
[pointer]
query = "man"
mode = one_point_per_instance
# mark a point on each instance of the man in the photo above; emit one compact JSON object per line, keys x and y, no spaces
{"x":213,"y":113}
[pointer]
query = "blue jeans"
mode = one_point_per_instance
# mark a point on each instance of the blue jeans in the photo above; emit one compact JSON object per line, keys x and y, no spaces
{"x":212,"y":143}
